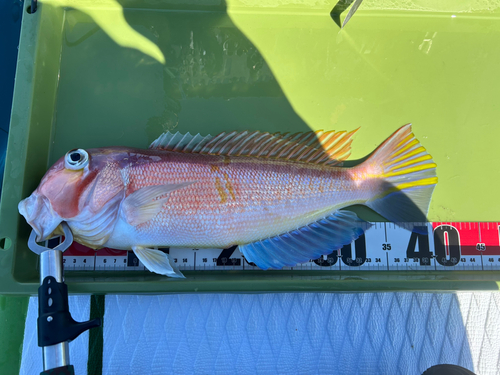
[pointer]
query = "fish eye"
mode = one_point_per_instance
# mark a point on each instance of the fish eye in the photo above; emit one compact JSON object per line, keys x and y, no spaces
{"x":76,"y":159}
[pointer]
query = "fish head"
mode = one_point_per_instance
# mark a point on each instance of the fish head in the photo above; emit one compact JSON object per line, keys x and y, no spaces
{"x":73,"y":185}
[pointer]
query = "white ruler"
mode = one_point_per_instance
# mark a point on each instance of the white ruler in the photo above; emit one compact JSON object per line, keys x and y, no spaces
{"x":383,"y":247}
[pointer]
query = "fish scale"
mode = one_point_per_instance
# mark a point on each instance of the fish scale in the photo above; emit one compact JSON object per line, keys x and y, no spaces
{"x":242,"y":212}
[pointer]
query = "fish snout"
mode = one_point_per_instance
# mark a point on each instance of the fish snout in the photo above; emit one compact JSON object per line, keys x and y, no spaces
{"x":39,"y":214}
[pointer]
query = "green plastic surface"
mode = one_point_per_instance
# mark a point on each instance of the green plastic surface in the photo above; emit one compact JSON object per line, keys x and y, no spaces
{"x":13,"y":311}
{"x":103,"y":73}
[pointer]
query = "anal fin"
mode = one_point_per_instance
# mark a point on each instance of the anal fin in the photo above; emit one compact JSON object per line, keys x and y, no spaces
{"x":157,"y":261}
{"x":309,"y":242}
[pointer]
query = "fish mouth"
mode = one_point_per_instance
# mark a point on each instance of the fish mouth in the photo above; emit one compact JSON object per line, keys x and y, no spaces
{"x":39,"y":214}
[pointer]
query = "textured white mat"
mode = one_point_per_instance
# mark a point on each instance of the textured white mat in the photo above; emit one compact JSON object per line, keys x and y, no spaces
{"x":382,"y":333}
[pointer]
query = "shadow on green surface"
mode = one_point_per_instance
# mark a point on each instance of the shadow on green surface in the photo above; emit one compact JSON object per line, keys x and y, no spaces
{"x":10,"y":25}
{"x":196,"y":72}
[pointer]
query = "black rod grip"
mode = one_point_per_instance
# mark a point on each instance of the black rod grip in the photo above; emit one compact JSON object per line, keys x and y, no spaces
{"x":55,"y":324}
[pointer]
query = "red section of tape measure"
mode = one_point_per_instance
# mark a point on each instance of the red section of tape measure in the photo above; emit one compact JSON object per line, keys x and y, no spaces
{"x":476,"y":238}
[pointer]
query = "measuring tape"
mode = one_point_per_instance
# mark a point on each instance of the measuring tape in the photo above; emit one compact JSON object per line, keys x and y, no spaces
{"x":383,"y":247}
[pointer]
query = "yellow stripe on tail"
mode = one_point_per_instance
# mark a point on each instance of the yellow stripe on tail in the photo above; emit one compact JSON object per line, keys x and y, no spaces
{"x":407,"y":177}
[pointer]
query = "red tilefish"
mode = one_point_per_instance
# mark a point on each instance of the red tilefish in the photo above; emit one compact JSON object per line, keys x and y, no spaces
{"x":280,"y":197}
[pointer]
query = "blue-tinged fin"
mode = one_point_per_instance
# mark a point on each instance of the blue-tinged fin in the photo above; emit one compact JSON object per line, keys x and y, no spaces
{"x":309,"y":242}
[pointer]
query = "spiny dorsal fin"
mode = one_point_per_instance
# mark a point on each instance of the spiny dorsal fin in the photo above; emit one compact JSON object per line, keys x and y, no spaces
{"x":318,"y":147}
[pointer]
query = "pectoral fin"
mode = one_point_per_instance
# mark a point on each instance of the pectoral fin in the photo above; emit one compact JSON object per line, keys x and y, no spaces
{"x":157,"y":261}
{"x":144,"y":204}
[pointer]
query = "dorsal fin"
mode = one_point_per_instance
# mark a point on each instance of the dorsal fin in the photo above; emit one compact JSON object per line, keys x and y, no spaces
{"x":318,"y":147}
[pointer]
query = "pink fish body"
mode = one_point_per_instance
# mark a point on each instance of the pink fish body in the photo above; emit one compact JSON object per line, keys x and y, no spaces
{"x":276,"y":196}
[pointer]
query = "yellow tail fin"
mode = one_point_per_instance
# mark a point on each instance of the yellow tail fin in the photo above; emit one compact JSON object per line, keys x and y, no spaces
{"x":408,"y":176}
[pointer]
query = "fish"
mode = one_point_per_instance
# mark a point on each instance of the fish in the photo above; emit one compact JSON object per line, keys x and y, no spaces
{"x":281,"y":198}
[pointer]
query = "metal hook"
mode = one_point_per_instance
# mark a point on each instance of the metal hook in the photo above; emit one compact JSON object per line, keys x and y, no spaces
{"x":38,"y":249}
{"x":340,"y":7}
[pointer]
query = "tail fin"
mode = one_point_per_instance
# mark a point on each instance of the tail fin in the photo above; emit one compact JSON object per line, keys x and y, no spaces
{"x":408,"y":174}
